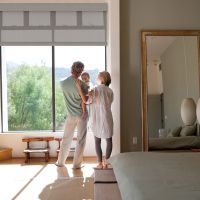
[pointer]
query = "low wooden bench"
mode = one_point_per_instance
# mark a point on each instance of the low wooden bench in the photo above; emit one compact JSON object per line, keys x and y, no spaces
{"x":59,"y":139}
{"x":29,"y":150}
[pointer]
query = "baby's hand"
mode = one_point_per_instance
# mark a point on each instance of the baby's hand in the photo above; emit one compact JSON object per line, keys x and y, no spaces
{"x":90,"y":93}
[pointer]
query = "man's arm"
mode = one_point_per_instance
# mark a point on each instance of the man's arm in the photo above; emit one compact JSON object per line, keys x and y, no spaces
{"x":83,"y":96}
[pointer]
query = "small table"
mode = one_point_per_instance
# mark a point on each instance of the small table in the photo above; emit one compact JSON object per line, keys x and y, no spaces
{"x":29,"y":150}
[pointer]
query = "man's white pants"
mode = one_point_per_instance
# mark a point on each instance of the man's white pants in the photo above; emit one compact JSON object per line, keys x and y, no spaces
{"x":71,"y":123}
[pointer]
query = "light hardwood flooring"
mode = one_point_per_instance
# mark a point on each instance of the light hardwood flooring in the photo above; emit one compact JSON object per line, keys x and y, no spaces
{"x":26,"y":181}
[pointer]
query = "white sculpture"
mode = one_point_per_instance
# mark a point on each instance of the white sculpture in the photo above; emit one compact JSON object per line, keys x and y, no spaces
{"x":198,"y":111}
{"x":188,"y":111}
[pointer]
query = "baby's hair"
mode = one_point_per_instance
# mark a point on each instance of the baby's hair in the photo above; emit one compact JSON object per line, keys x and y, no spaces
{"x":106,"y":78}
{"x":85,"y":74}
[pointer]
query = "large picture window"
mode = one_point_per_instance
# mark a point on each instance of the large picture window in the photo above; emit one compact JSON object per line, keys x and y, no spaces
{"x":32,"y":99}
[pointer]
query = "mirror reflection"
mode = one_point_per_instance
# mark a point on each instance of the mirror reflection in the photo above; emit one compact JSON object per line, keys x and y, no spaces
{"x":173,"y":91}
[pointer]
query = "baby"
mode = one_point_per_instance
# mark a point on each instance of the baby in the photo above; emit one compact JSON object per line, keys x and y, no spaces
{"x":86,"y":78}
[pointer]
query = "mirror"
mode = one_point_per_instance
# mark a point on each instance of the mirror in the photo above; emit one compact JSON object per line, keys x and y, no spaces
{"x":170,"y":80}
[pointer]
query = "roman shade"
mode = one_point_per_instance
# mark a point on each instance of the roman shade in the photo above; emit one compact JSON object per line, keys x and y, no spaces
{"x":53,"y":24}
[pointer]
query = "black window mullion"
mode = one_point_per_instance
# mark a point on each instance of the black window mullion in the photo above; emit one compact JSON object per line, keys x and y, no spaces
{"x":53,"y":90}
{"x":105,"y":58}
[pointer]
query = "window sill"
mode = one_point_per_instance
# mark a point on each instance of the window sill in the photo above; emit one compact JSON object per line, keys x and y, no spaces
{"x":36,"y":133}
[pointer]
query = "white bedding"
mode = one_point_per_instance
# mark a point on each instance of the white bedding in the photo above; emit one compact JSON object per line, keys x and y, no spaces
{"x":158,"y":176}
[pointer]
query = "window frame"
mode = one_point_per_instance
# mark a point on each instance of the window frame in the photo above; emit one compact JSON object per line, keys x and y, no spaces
{"x":53,"y":68}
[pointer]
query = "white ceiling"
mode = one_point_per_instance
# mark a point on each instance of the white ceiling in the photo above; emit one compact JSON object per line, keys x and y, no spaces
{"x":156,"y":46}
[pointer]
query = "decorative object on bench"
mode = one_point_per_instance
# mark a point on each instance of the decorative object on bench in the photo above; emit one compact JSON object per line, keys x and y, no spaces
{"x":5,"y":153}
{"x":198,"y":117}
{"x":59,"y":139}
{"x":105,"y":185}
{"x":44,"y":150}
{"x":188,"y":111}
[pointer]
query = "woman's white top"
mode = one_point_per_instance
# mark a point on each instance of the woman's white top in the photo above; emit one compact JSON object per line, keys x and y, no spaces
{"x":100,"y":115}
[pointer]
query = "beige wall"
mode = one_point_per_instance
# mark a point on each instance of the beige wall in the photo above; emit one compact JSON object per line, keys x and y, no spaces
{"x":154,"y":79}
{"x":137,"y":15}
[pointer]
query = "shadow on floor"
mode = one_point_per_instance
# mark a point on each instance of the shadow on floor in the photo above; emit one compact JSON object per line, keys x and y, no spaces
{"x":70,"y":188}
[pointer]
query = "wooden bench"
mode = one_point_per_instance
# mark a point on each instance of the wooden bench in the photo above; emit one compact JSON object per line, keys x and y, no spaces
{"x":59,"y":139}
{"x":29,"y":150}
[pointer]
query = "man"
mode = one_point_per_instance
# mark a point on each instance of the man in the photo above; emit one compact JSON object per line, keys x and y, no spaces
{"x":75,"y":117}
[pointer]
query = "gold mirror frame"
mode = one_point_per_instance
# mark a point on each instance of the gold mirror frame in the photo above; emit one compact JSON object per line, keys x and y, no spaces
{"x":144,"y":86}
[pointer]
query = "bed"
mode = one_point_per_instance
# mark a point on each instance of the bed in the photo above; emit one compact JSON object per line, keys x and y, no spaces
{"x":187,"y":142}
{"x":157,"y":176}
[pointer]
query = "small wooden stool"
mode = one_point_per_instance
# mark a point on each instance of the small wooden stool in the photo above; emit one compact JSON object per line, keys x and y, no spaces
{"x":29,"y":150}
{"x":59,"y":139}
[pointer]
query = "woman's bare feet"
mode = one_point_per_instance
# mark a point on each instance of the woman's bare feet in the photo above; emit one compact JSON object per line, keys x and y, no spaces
{"x":100,"y":165}
{"x":105,"y":164}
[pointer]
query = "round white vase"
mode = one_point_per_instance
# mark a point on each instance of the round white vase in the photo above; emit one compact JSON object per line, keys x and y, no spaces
{"x":198,"y":111}
{"x":188,"y":111}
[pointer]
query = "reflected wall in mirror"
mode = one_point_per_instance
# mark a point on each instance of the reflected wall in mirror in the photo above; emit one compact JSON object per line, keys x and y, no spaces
{"x":170,"y":82}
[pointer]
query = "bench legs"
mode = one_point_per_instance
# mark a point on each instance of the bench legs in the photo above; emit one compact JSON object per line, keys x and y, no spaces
{"x":27,"y":157}
{"x":46,"y":156}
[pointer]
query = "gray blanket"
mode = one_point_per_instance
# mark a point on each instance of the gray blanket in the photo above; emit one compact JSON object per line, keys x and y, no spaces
{"x":158,"y":176}
{"x":187,"y":142}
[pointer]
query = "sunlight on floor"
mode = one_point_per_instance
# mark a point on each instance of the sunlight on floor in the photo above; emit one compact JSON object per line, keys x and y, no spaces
{"x":26,"y":182}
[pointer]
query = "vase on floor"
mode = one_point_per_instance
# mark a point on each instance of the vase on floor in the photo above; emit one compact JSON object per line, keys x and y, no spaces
{"x":188,"y":111}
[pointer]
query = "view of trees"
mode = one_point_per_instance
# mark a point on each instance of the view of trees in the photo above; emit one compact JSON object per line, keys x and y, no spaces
{"x":26,"y":88}
{"x":30,"y":99}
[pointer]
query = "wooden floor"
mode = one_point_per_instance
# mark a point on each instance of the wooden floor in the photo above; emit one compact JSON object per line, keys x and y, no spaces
{"x":26,"y":181}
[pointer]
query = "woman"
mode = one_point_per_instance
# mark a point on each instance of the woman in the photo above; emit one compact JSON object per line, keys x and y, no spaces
{"x":100,"y":117}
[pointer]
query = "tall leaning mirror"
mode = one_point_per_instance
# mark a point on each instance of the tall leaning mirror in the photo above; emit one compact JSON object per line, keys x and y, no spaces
{"x":170,"y":90}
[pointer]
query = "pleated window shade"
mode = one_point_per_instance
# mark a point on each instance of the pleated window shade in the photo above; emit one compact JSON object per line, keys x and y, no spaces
{"x":53,"y":24}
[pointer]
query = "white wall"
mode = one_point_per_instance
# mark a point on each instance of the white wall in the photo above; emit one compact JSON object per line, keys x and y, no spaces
{"x":14,"y":140}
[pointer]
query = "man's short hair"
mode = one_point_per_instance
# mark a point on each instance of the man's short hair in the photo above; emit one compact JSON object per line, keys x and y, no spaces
{"x":77,"y":67}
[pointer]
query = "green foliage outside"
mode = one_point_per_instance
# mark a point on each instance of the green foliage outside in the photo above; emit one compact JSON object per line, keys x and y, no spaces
{"x":30,"y":99}
{"x":60,"y":107}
